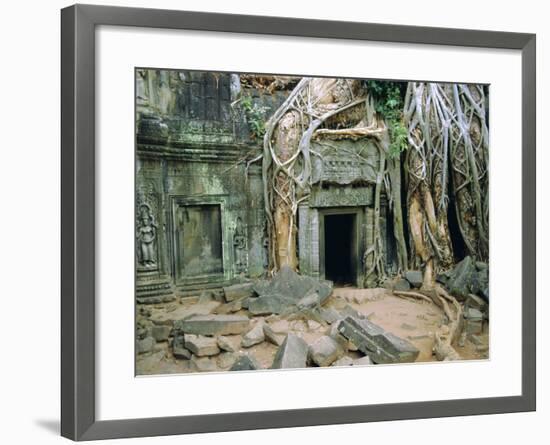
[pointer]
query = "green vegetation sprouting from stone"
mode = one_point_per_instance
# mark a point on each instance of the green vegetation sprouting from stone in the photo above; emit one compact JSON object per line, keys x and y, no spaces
{"x":389,"y":100}
{"x":255,"y":116}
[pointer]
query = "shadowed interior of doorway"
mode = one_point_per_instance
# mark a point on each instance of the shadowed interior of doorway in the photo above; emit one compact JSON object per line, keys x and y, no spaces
{"x":339,"y":236}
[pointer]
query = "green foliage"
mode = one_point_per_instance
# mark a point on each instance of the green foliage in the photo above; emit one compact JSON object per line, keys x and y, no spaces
{"x":255,"y":116}
{"x":389,"y":102}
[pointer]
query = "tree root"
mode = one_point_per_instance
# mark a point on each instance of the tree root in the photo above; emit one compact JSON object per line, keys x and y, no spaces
{"x":447,"y":334}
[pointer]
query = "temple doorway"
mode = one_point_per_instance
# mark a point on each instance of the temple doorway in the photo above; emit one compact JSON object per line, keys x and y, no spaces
{"x":340,"y":253}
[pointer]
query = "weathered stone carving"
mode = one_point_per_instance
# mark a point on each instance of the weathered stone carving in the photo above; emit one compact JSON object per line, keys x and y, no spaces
{"x":239,"y":242}
{"x":146,"y":235}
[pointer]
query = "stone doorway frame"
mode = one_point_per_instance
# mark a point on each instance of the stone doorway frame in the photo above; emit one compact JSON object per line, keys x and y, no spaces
{"x":227,"y":248}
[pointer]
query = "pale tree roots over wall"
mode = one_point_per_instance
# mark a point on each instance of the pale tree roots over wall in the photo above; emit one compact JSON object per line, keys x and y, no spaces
{"x":445,"y":163}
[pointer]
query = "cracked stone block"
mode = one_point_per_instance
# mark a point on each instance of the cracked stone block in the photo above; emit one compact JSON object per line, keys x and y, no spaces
{"x":238,"y":291}
{"x":325,"y":350}
{"x":245,"y":363}
{"x":379,"y":345}
{"x":254,"y":336}
{"x":200,"y":345}
{"x":291,"y":354}
{"x":214,"y":324}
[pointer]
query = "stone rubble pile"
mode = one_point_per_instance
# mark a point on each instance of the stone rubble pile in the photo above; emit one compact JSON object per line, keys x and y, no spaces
{"x":222,"y":333}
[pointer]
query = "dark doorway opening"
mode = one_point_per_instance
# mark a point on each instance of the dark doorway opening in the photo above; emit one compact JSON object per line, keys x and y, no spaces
{"x":340,"y":261}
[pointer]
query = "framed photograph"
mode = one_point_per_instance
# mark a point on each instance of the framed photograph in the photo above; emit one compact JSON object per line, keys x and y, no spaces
{"x":274,"y":222}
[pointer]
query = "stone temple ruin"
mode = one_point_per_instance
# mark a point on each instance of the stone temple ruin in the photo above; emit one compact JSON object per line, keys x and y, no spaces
{"x":201,"y":248}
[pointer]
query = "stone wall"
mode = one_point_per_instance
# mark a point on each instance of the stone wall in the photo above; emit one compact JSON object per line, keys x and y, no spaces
{"x":191,"y":144}
{"x":200,"y":218}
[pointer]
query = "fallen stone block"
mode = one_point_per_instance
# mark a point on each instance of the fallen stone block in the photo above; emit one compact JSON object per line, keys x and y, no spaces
{"x":473,"y":326}
{"x":414,"y":277}
{"x":203,"y":364}
{"x":200,"y":345}
{"x":309,"y":301}
{"x":226,"y":359}
{"x":400,"y":284}
{"x":269,"y":304}
{"x":460,"y":277}
{"x":379,"y":345}
{"x":181,"y":353}
{"x":214,"y":324}
{"x":325,"y":350}
{"x":145,"y":345}
{"x":329,"y":315}
{"x":348,"y":311}
{"x":363,"y":361}
{"x":238,"y":291}
{"x":313,"y":325}
{"x":229,"y":344}
{"x":280,"y":326}
{"x":245,"y":363}
{"x":183,"y":312}
{"x":294,"y":287}
{"x":178,"y":348}
{"x":344,"y":361}
{"x":291,"y":354}
{"x":475,"y":302}
{"x":475,"y":339}
{"x":161,"y":333}
{"x":334,"y":333}
{"x":228,"y":308}
{"x":473,"y":314}
{"x":271,"y":336}
{"x":254,"y":336}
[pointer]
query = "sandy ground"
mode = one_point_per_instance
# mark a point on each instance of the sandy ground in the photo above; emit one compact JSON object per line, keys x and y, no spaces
{"x":410,"y":319}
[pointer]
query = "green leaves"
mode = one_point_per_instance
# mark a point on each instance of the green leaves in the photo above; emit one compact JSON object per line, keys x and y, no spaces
{"x":255,"y":116}
{"x":389,"y":101}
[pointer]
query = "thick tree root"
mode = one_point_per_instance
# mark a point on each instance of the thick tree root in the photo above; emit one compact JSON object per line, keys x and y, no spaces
{"x":446,"y":334}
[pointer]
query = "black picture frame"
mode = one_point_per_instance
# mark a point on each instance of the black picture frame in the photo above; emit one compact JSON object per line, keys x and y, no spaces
{"x":78,"y":23}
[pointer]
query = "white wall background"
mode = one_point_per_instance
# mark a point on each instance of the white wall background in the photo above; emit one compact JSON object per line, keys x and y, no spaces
{"x":29,"y":222}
